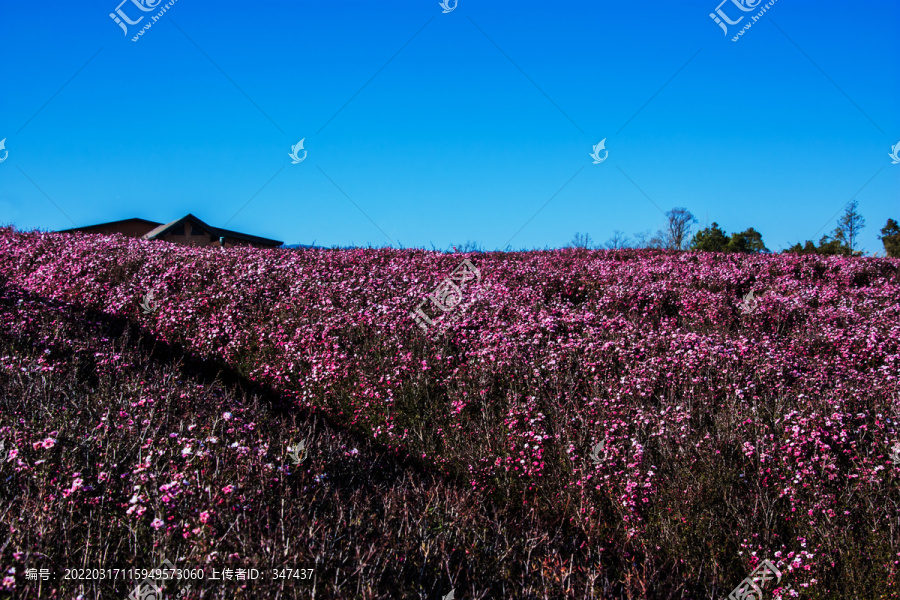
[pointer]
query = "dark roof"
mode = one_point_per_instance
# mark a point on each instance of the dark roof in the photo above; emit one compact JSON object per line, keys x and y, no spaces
{"x":132,"y":220}
{"x":161,"y":229}
{"x":214,"y":231}
{"x":165,"y":228}
{"x":250,"y":238}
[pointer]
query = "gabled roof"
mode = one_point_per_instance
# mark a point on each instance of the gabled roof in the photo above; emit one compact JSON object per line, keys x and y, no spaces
{"x":132,"y":220}
{"x":166,"y":228}
{"x":160,"y":230}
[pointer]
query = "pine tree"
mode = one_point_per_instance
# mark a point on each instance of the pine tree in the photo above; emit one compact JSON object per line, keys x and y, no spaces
{"x":748,"y":241}
{"x":890,"y":237}
{"x":711,"y":239}
{"x":849,"y":227}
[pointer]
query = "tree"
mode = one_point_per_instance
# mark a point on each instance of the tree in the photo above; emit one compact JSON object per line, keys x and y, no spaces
{"x":890,"y":237}
{"x":658,"y":241}
{"x":678,"y":228}
{"x":642,"y":239}
{"x":581,"y":241}
{"x":849,"y":227}
{"x":748,"y":241}
{"x":834,"y":245}
{"x":468,"y":246}
{"x":618,"y":241}
{"x":711,"y":239}
{"x":842,"y":241}
{"x":808,"y":248}
{"x":715,"y":239}
{"x":799,"y":249}
{"x":828,"y":246}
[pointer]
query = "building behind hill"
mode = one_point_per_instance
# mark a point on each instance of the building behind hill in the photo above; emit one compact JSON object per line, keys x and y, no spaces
{"x":188,"y":230}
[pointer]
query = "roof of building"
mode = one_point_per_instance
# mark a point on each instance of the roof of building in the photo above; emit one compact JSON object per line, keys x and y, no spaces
{"x":162,"y":229}
{"x":132,"y":220}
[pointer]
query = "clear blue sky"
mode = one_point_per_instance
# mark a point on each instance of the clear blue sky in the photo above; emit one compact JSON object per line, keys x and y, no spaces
{"x":450,"y":127}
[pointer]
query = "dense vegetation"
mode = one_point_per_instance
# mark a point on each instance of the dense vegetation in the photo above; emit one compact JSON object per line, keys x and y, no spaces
{"x":597,"y":424}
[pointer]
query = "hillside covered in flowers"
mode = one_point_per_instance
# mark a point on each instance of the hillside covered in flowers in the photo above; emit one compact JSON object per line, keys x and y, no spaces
{"x":679,"y":417}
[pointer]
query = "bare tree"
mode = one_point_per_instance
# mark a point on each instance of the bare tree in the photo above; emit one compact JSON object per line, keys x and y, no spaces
{"x":657,"y":241}
{"x":642,"y":239}
{"x":467,"y":247}
{"x":850,"y":225}
{"x":581,"y":241}
{"x":618,"y":241}
{"x":678,"y":228}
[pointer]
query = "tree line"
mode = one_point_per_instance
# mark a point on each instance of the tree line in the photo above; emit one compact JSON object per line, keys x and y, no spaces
{"x":676,"y":235}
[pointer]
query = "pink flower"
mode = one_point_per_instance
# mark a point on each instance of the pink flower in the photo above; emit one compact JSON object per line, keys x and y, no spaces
{"x":75,"y":486}
{"x":157,"y":523}
{"x":9,"y":583}
{"x":204,"y":517}
{"x":228,"y":489}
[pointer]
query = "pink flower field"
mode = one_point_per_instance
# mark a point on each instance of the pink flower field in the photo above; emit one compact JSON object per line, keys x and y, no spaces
{"x":594,"y":424}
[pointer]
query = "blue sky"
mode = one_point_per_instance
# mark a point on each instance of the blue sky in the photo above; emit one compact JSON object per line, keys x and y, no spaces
{"x":429,"y":128}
